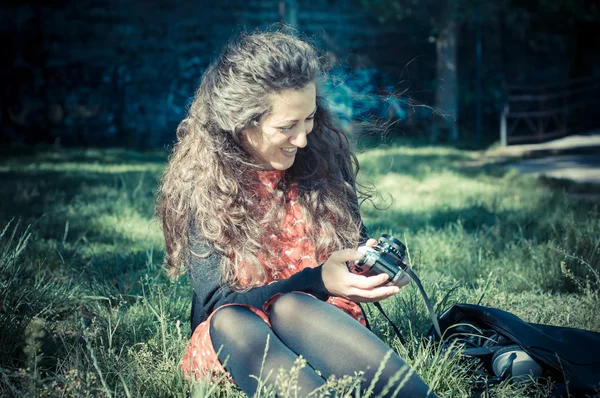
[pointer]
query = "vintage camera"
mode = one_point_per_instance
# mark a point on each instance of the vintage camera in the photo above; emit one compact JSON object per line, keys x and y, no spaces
{"x":385,"y":257}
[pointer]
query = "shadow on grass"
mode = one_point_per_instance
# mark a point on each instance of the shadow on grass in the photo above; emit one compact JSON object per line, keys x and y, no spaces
{"x":89,"y":224}
{"x":421,"y":165}
{"x":32,"y":193}
{"x":39,"y":154}
{"x":472,"y":218}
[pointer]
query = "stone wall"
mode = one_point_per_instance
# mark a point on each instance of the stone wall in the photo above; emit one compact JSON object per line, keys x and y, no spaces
{"x":121,"y":72}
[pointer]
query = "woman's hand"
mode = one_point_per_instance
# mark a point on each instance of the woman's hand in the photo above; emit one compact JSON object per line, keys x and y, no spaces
{"x":339,"y":281}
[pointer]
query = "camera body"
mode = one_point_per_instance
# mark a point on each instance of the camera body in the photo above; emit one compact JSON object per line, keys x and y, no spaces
{"x":386,"y":257}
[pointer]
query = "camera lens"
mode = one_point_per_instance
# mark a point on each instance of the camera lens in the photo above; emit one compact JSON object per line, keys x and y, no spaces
{"x":393,"y":244}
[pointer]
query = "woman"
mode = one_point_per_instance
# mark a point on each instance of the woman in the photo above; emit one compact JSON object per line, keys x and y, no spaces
{"x":258,"y":205}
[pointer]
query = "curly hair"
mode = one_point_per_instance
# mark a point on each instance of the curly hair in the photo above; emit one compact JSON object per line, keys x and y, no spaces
{"x":207,"y":188}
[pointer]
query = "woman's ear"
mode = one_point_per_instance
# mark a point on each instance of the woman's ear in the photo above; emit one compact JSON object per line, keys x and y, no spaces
{"x":251,"y":132}
{"x":248,"y":139}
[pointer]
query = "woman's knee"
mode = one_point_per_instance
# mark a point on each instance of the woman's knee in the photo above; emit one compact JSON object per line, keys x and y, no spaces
{"x":237,"y":329}
{"x":290,"y":306}
{"x":230,"y":322}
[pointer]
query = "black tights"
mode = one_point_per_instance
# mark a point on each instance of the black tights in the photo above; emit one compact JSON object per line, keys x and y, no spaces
{"x":331,"y":342}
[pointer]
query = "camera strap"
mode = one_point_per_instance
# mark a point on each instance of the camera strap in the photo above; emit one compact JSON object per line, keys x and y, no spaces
{"x":432,"y":314}
{"x":392,"y":324}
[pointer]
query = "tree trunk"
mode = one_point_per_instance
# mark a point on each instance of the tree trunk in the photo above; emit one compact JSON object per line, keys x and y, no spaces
{"x":446,"y":95}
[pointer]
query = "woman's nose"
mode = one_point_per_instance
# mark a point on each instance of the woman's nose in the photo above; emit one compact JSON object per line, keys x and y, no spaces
{"x":299,"y":139}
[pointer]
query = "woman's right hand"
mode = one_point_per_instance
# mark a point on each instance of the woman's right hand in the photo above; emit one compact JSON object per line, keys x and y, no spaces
{"x":339,"y":281}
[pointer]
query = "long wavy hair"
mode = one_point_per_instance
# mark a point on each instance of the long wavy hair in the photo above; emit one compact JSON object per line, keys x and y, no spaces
{"x":207,"y":190}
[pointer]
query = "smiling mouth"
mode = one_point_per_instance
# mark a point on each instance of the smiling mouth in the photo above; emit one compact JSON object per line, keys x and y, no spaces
{"x":289,"y":150}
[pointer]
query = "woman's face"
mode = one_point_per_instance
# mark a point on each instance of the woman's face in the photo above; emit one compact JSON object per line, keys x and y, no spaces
{"x":280,"y":134}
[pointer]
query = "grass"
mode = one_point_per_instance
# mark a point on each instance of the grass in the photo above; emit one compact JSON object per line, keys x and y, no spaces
{"x":86,"y":310}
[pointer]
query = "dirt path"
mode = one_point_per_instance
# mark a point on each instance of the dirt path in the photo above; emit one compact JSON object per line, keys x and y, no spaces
{"x":575,"y":158}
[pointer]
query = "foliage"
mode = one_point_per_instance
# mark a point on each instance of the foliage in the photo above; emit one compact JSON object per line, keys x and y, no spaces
{"x":519,"y":15}
{"x":86,"y":309}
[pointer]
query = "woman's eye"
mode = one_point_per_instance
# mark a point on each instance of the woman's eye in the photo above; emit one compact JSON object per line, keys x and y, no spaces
{"x":287,"y":129}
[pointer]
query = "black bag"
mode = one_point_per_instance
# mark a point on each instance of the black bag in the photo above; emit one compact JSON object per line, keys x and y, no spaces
{"x":495,"y":337}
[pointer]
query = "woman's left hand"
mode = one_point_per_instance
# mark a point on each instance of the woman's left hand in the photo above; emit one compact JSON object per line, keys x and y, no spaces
{"x":339,"y":281}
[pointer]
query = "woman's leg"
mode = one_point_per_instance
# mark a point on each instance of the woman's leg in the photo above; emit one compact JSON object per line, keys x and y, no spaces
{"x":336,"y":344}
{"x":239,"y":336}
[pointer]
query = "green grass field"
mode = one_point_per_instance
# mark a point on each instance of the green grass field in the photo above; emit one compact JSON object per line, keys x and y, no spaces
{"x":86,"y":309}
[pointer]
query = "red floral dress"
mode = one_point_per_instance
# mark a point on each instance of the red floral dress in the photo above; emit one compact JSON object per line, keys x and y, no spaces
{"x":296,"y":253}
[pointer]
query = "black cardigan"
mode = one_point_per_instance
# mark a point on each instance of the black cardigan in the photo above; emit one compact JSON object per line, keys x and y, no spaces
{"x":209,"y":294}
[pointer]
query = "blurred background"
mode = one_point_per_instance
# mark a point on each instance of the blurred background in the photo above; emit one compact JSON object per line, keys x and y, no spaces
{"x":121,"y":73}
